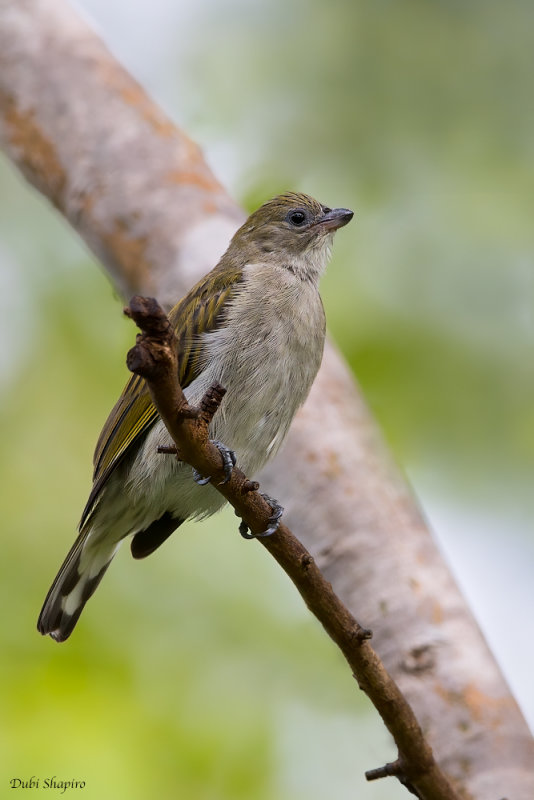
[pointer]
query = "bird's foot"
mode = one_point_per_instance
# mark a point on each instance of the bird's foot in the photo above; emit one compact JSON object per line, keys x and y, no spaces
{"x":274,"y":520}
{"x":229,"y":462}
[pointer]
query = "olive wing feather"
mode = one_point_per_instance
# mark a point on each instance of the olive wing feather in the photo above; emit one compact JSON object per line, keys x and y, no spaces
{"x":200,"y":311}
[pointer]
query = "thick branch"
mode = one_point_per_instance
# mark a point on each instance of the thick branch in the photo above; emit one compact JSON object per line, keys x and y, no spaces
{"x":137,"y":190}
{"x":154,"y":358}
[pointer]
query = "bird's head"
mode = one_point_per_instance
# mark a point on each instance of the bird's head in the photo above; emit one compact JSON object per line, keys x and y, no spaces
{"x":293,"y":230}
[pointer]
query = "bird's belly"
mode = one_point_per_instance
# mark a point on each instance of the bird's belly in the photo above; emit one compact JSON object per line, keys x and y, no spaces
{"x":266,"y":356}
{"x":256,"y":412}
{"x":255,"y":427}
{"x":267,"y":369}
{"x":252,"y":424}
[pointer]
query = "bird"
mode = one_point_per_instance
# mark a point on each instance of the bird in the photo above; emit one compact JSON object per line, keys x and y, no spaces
{"x":256,"y":325}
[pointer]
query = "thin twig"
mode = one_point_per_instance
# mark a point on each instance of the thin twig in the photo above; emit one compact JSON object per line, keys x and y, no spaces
{"x":154,"y":357}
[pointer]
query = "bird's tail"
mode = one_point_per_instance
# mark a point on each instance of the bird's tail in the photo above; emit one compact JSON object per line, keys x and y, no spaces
{"x":76,"y":581}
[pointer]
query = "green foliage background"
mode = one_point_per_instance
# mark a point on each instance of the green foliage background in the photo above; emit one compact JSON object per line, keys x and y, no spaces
{"x":197,"y":674}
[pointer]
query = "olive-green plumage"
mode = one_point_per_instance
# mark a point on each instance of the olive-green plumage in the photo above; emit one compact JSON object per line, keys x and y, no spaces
{"x":134,"y":413}
{"x":255,"y":324}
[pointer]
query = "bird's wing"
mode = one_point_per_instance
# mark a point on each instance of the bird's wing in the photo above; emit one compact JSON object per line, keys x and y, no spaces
{"x":134,"y":413}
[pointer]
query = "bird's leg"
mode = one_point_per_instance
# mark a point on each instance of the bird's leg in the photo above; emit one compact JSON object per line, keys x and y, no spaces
{"x":274,"y":520}
{"x":229,"y":462}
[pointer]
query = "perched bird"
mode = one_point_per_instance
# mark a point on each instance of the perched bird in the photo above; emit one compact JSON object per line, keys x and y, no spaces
{"x":256,"y":325}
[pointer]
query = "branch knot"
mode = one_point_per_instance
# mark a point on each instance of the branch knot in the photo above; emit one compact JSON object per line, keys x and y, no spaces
{"x":211,"y":402}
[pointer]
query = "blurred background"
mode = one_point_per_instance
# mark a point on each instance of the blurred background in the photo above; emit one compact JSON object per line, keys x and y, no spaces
{"x":197,"y":674}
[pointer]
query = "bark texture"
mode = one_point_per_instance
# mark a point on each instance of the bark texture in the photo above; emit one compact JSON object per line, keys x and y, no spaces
{"x":138,"y":191}
{"x":154,"y":357}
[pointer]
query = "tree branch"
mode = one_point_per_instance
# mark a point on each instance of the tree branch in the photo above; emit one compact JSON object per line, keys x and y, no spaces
{"x":154,"y":357}
{"x":139,"y":193}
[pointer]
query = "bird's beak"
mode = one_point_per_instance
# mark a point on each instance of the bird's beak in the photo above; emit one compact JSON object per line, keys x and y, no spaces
{"x":335,"y":218}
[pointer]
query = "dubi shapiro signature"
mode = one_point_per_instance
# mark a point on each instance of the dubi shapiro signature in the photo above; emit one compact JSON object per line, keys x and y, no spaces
{"x":52,"y":782}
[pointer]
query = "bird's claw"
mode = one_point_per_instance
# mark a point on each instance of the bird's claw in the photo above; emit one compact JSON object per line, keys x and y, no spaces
{"x":199,"y":479}
{"x":274,"y":520}
{"x":229,"y":462}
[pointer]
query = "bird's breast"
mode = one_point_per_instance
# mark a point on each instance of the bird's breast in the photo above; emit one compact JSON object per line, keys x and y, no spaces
{"x":266,"y":355}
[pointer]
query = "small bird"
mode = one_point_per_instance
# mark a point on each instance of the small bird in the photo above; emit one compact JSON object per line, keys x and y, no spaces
{"x":255,"y":324}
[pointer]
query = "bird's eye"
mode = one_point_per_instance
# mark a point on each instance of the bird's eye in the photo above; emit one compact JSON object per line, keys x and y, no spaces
{"x":297,"y":217}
